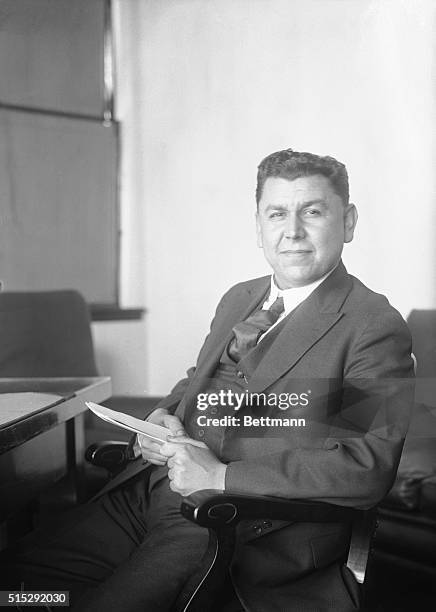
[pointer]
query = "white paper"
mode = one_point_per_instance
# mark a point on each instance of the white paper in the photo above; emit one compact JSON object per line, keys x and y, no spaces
{"x":126,"y":421}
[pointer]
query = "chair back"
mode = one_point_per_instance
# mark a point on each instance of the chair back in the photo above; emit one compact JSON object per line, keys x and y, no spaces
{"x":422,"y":325}
{"x":45,"y":334}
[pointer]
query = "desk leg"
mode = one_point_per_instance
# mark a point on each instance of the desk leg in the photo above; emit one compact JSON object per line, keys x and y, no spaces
{"x":76,"y":455}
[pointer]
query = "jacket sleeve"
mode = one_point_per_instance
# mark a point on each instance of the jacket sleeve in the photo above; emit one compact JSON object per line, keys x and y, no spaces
{"x":356,"y":462}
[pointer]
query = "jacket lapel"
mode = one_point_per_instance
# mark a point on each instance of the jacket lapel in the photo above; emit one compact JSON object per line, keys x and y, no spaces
{"x":309,"y":322}
{"x":249,"y":299}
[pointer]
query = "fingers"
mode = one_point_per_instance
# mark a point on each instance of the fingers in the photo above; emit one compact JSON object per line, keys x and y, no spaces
{"x":148,"y":444}
{"x":157,"y":416}
{"x":175,"y":483}
{"x":150,"y":451}
{"x":186,"y":440}
{"x":168,"y":449}
{"x":174,"y":424}
{"x":155,"y":459}
{"x":179,"y":445}
{"x":172,"y":461}
{"x":174,"y":487}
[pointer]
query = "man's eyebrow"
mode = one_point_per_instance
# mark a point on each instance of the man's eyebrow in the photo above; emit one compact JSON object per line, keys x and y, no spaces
{"x":276,"y":207}
{"x":319,"y":201}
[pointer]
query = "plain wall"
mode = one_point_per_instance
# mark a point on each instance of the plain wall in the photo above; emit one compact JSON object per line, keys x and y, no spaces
{"x":207,"y":88}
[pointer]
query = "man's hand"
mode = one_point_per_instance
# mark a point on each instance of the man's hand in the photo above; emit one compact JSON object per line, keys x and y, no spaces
{"x":150,"y":449}
{"x":192,"y":466}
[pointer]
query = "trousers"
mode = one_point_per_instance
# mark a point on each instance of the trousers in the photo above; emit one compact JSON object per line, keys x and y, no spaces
{"x":129,"y":550}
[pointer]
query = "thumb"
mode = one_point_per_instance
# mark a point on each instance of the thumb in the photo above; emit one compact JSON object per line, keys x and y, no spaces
{"x":174,"y":424}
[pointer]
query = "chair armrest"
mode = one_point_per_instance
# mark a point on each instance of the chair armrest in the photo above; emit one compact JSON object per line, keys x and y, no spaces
{"x":108,"y":454}
{"x":215,"y":509}
{"x":221,"y":511}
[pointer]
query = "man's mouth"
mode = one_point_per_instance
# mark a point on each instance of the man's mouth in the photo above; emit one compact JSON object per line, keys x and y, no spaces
{"x":295,"y":252}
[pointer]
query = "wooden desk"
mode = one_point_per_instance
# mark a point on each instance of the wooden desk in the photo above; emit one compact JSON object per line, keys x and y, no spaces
{"x":42,"y":435}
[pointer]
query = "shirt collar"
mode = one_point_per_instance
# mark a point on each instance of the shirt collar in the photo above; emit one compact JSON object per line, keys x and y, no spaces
{"x":294,"y":296}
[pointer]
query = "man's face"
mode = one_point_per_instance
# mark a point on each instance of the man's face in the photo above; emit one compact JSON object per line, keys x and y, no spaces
{"x":302,"y":226}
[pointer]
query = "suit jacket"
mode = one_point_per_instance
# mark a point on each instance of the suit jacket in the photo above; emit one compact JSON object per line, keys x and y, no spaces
{"x":349,"y":350}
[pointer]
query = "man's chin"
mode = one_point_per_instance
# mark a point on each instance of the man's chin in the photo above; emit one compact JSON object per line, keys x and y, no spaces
{"x":300,"y":277}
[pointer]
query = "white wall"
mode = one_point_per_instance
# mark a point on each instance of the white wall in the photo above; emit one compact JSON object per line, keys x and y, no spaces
{"x":206,"y":88}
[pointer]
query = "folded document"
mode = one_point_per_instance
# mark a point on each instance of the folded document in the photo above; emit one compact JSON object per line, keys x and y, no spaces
{"x":126,"y":421}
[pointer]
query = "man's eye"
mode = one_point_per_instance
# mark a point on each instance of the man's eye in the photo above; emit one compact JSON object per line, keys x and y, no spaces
{"x":312,"y":212}
{"x":277,"y":214}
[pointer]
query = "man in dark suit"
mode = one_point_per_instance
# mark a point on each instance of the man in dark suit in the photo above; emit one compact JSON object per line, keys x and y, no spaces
{"x":300,"y":391}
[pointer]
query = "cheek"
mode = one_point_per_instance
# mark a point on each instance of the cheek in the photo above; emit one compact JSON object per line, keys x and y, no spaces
{"x":269,"y":239}
{"x":328,"y":241}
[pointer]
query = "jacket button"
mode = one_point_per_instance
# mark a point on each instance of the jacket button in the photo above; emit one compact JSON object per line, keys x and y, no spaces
{"x":201,"y":433}
{"x":240,"y":374}
{"x":257,"y":529}
{"x":214,"y":410}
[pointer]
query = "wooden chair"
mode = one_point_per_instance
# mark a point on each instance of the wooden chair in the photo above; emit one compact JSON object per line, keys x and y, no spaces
{"x":220,"y":512}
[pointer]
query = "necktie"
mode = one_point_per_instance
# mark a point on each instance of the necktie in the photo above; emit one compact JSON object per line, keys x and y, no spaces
{"x":248,"y":332}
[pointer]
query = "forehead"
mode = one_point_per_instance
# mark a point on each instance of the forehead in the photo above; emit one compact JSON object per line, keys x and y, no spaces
{"x":299,"y":190}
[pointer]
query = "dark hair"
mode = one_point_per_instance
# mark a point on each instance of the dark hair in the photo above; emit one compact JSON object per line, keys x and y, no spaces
{"x":289,"y":164}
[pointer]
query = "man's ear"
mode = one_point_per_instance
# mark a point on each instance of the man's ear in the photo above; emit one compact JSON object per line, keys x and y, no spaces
{"x":258,"y":232}
{"x":350,"y":220}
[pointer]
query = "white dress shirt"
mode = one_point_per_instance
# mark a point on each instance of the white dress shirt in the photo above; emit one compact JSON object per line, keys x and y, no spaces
{"x":291,"y":297}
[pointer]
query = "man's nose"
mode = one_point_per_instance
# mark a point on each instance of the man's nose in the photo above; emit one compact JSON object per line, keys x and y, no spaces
{"x":294,"y":228}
